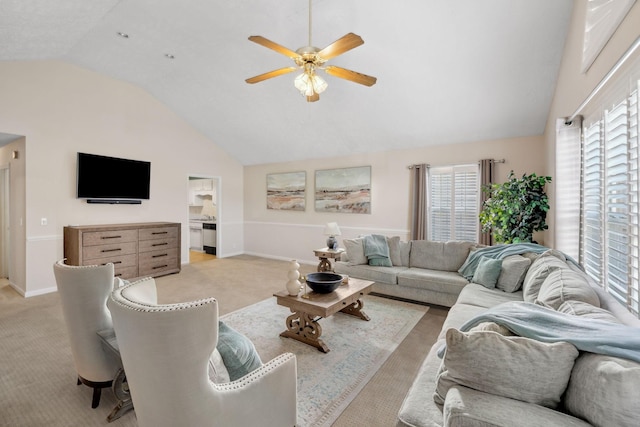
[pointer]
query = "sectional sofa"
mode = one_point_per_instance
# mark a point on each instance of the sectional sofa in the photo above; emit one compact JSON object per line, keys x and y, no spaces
{"x":534,"y":343}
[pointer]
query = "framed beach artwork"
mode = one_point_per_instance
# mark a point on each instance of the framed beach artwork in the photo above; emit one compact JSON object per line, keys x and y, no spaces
{"x":346,"y":190}
{"x":286,"y":191}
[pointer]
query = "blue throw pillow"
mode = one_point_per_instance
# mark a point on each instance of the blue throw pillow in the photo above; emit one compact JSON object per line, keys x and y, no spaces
{"x":237,"y":351}
{"x":487,"y":272}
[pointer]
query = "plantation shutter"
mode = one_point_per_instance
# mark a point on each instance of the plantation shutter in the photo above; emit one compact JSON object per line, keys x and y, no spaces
{"x":610,"y":222}
{"x":453,"y":203}
{"x":617,"y":200}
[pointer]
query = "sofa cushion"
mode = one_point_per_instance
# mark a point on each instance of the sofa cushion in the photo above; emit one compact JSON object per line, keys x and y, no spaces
{"x":580,"y":308}
{"x":563,"y":285}
{"x":405,"y":250}
{"x":394,"y":250}
{"x":443,"y":256}
{"x":465,"y":407}
{"x":487,"y":272}
{"x":540,"y":268}
{"x":433,"y":280}
{"x":369,"y":272}
{"x":604,"y":391}
{"x":355,"y":251}
{"x":514,"y":269}
{"x":514,"y":367}
{"x":478,"y":295}
{"x":238,"y":352}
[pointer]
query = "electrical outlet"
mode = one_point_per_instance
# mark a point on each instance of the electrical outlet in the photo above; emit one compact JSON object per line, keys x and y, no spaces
{"x":43,"y":221}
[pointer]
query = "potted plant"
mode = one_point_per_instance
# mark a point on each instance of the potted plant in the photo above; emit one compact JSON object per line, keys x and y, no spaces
{"x":516,"y":209}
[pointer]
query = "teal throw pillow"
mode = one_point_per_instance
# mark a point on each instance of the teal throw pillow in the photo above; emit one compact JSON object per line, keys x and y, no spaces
{"x":487,"y":272}
{"x":237,"y":351}
{"x":380,"y":261}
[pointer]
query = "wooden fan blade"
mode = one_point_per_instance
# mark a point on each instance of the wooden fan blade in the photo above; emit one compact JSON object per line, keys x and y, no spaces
{"x":353,"y":76}
{"x":274,"y":46}
{"x":340,"y":46}
{"x":313,"y":98}
{"x":270,"y":74}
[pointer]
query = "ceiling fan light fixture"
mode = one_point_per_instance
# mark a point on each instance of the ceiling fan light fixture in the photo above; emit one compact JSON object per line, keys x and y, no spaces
{"x":309,"y":83}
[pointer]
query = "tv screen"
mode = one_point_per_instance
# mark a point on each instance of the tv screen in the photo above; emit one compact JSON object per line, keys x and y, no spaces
{"x":112,"y":178}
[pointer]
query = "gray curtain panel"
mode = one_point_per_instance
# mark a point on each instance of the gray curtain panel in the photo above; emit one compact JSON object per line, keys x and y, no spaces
{"x":486,"y":178}
{"x":419,"y":202}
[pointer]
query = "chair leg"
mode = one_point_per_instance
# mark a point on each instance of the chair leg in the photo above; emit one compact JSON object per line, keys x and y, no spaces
{"x":97,"y":387}
{"x":97,"y":391}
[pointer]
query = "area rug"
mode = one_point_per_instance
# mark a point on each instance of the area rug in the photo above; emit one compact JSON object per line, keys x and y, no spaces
{"x":328,"y":382}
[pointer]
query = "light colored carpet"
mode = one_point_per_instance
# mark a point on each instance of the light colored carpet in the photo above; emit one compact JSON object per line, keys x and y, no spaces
{"x":38,"y":380}
{"x":327,"y":383}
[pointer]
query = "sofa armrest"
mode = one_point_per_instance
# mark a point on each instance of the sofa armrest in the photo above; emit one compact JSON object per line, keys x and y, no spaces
{"x":465,"y":407}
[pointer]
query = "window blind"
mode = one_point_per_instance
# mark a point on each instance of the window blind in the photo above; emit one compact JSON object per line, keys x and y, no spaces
{"x":453,"y":196}
{"x":610,"y":214}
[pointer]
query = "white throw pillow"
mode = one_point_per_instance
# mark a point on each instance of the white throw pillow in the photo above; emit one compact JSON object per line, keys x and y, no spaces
{"x":604,"y":391}
{"x":514,"y":367}
{"x":355,"y":251}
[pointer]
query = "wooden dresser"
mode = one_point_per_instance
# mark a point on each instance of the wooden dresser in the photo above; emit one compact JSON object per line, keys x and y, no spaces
{"x":137,"y":250}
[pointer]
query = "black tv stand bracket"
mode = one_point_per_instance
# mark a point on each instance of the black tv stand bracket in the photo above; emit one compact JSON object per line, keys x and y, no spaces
{"x":115,"y":201}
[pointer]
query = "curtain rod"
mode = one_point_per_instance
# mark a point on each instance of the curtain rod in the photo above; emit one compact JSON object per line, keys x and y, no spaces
{"x":605,"y":80}
{"x":428,"y":165}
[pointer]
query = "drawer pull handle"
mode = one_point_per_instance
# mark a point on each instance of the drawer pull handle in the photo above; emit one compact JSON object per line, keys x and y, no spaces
{"x":117,"y":262}
{"x":111,"y":237}
{"x":160,"y":266}
{"x":159,"y":256}
{"x":118,"y":274}
{"x":159,"y":232}
{"x":111,"y":250}
{"x":160,"y":244}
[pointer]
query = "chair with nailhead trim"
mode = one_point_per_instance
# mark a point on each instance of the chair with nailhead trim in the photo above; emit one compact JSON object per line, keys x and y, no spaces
{"x":84,"y":291}
{"x":165,"y":351}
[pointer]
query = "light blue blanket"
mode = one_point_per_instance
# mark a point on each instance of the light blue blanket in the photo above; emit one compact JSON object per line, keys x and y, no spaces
{"x":376,"y":250}
{"x":499,"y":252}
{"x":546,"y":325}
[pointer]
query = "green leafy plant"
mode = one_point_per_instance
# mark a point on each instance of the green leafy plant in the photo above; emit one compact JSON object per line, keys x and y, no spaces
{"x":516,"y":209}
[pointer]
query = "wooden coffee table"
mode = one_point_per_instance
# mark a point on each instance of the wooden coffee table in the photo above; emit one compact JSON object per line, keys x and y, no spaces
{"x":309,"y":308}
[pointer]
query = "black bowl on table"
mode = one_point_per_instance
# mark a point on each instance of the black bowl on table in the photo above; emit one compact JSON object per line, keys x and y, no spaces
{"x":323,"y":282}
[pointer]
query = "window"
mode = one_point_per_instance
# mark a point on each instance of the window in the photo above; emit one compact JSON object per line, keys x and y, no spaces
{"x":609,"y":229}
{"x":453,"y":197}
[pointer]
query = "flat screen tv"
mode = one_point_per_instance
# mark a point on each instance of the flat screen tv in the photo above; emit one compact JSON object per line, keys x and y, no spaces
{"x":103,"y":179}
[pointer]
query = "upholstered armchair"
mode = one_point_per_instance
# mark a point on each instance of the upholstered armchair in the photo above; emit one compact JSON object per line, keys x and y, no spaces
{"x":165,"y":351}
{"x":83,"y":295}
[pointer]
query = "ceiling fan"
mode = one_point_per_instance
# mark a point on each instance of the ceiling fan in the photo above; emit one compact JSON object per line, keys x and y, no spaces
{"x":309,"y":59}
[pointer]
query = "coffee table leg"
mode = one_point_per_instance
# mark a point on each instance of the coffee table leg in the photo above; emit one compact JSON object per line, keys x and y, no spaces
{"x":121,"y":391}
{"x":302,"y":327}
{"x":355,"y":309}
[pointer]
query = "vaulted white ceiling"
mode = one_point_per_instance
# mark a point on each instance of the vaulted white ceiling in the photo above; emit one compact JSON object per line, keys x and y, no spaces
{"x":449,"y":71}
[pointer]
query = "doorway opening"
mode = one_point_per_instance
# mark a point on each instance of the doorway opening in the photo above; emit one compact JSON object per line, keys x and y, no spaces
{"x":204,"y":211}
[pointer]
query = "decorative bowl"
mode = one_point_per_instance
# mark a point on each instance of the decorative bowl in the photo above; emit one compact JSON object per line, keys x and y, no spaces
{"x":323,"y":282}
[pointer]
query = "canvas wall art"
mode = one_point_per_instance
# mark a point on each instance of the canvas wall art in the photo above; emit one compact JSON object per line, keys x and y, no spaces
{"x":346,"y":190}
{"x":286,"y":191}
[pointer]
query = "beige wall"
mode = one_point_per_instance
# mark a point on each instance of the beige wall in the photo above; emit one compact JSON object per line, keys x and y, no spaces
{"x":293,"y":235}
{"x":62,"y":109}
{"x":574,"y":87}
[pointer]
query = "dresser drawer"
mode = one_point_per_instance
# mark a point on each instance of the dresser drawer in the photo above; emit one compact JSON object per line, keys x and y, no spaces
{"x":118,"y":261}
{"x":157,"y":255}
{"x":152,"y":263}
{"x":94,"y":238}
{"x":126,"y":272}
{"x":158,"y":244}
{"x":158,"y":233}
{"x":108,"y":251}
